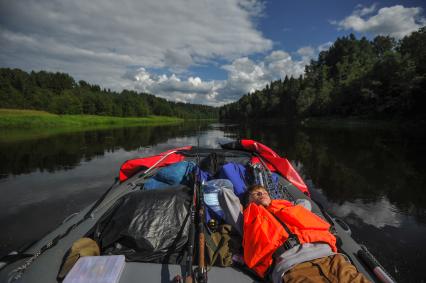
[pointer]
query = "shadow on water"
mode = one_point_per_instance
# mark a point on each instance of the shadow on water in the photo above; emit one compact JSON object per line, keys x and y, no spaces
{"x":66,"y":151}
{"x":373,"y":178}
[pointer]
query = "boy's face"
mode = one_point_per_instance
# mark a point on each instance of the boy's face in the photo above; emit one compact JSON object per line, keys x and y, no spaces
{"x":260,"y":196}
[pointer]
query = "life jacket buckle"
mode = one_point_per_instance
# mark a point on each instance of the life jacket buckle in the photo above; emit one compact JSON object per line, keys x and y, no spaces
{"x":291,"y":242}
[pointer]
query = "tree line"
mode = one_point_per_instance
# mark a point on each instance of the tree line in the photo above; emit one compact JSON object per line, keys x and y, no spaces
{"x":59,"y":93}
{"x":380,"y":79}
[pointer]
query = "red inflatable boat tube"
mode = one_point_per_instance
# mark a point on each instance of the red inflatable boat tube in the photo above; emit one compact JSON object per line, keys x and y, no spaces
{"x":131,"y":167}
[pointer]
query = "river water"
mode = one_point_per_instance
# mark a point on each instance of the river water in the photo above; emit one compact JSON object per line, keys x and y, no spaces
{"x":372,"y":178}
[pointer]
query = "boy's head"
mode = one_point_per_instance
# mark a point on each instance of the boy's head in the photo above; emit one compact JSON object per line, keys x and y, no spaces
{"x":258,"y":195}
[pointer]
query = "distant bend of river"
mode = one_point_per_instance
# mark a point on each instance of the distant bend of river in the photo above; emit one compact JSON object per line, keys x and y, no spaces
{"x":374,"y":179}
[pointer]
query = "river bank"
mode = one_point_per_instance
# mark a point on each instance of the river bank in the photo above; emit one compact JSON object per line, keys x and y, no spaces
{"x":17,"y":125}
{"x":15,"y":118}
{"x":338,"y":122}
{"x":360,"y":122}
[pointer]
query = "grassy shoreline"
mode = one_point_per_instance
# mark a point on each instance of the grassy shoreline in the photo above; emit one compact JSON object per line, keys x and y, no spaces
{"x":32,"y":119}
{"x":19,"y":125}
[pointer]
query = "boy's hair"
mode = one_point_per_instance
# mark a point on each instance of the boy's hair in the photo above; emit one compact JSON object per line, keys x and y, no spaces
{"x":255,"y":187}
{"x":252,"y":188}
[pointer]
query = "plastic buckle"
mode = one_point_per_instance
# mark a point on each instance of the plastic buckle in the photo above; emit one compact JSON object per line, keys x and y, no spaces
{"x":291,"y":242}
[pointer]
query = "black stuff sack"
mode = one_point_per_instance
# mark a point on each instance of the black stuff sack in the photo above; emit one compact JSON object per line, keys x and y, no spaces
{"x":147,"y":226}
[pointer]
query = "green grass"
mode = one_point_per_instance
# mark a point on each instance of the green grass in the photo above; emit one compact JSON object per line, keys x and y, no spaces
{"x":16,"y":125}
{"x":29,"y":119}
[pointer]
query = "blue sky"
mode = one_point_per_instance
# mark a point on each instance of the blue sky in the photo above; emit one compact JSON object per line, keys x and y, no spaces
{"x":199,"y":51}
{"x":293,"y":24}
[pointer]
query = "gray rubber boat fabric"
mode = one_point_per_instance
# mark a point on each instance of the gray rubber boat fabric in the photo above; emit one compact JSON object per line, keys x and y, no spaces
{"x":147,"y":226}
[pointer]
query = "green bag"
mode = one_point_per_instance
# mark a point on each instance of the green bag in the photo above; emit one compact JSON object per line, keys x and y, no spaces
{"x":221,"y":245}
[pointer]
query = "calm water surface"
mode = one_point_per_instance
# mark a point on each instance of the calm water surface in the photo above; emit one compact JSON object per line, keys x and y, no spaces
{"x":372,"y":178}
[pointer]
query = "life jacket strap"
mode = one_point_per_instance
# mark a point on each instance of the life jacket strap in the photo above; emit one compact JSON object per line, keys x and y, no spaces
{"x":290,"y":243}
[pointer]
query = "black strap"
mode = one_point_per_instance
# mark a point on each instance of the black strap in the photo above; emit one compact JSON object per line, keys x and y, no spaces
{"x":291,"y":241}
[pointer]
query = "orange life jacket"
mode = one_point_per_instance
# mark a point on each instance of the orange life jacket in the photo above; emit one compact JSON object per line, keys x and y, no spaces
{"x":264,"y":234}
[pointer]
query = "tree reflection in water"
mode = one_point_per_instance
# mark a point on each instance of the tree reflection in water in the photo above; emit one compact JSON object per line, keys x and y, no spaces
{"x":372,"y":178}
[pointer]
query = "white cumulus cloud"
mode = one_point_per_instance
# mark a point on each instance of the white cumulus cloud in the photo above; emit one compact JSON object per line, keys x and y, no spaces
{"x":118,"y":45}
{"x":325,"y":46}
{"x":396,"y":21}
{"x":172,"y":87}
{"x":244,"y":75}
{"x":361,"y":10}
{"x":96,"y":40}
{"x":306,"y":51}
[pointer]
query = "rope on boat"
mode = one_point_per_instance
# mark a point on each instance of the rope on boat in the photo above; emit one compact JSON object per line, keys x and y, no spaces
{"x":264,"y":178}
{"x":19,"y":271}
{"x":158,"y":162}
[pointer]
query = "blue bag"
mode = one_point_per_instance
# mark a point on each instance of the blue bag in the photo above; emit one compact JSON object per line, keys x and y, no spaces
{"x":237,"y":174}
{"x":172,"y":175}
{"x":202,"y":176}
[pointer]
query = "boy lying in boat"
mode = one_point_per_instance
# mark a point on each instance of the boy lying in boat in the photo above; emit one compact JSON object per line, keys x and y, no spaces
{"x":286,"y":240}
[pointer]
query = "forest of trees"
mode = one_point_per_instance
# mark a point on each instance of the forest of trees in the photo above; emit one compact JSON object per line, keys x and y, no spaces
{"x":378,"y":79}
{"x":59,"y":93}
